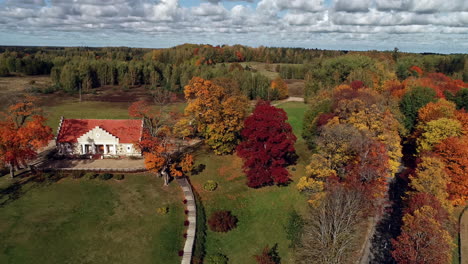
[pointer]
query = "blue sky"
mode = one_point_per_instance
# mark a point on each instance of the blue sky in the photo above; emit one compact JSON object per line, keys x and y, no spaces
{"x":411,"y":25}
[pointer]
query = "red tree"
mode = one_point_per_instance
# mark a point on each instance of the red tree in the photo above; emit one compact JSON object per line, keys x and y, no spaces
{"x":267,"y":147}
{"x":422,"y":240}
{"x":22,"y":133}
{"x":417,"y":200}
{"x":357,"y":84}
{"x":370,"y":169}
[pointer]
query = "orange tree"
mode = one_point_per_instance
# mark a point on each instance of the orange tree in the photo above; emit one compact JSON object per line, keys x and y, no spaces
{"x":162,"y":150}
{"x":22,"y":133}
{"x":217,"y":115}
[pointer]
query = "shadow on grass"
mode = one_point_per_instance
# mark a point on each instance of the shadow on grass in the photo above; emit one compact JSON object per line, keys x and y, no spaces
{"x":24,"y":182}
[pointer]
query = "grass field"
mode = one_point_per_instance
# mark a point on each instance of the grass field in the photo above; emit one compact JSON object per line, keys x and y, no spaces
{"x":91,"y":110}
{"x":10,"y":85}
{"x":262,"y":213}
{"x":91,"y":221}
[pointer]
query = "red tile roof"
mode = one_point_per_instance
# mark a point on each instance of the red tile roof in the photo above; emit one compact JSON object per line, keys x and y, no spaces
{"x":127,"y":130}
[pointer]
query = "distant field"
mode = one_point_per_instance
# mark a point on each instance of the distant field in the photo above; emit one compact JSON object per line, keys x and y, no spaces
{"x":91,"y":221}
{"x":262,"y":213}
{"x":18,"y":84}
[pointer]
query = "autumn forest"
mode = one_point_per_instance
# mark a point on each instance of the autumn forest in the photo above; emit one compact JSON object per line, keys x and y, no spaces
{"x":310,"y":156}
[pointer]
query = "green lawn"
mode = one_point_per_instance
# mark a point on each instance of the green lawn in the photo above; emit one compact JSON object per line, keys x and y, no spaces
{"x":92,"y":110}
{"x":91,"y":221}
{"x":262,"y":213}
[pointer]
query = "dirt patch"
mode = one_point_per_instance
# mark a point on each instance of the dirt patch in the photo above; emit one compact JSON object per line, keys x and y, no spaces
{"x":295,"y":87}
{"x":232,"y":171}
{"x":117,"y":94}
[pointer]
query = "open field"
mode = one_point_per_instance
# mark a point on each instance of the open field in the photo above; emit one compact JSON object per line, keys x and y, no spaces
{"x":90,"y":221}
{"x":295,"y":87}
{"x":262,"y":213}
{"x":20,"y":83}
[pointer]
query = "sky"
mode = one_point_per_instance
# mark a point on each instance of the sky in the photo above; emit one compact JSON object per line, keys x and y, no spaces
{"x":439,"y":26}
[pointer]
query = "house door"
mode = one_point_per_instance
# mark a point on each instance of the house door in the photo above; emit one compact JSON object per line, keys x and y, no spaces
{"x":100,"y":149}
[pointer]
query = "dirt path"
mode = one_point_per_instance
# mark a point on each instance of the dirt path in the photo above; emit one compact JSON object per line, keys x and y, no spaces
{"x":289,"y":99}
{"x":464,"y":237}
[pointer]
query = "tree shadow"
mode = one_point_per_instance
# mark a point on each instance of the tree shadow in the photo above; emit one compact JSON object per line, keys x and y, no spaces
{"x":274,"y":254}
{"x":16,"y":189}
{"x":389,"y":226}
{"x":25,"y":182}
{"x":198,"y":169}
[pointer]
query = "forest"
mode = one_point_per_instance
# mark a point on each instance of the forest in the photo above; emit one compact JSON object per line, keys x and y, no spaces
{"x":382,"y":143}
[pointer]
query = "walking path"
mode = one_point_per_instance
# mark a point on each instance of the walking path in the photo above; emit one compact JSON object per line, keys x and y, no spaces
{"x":289,"y":99}
{"x":192,"y":218}
{"x":464,"y":237}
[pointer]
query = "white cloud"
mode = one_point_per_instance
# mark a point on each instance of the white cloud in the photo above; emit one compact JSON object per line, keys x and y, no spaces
{"x":352,"y":5}
{"x":269,"y":22}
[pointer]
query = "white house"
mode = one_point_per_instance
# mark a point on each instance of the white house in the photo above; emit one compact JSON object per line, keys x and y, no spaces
{"x":99,"y":137}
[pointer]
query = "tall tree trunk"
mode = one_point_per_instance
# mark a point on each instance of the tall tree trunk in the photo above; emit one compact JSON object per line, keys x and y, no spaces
{"x":12,"y":171}
{"x":165,"y":176}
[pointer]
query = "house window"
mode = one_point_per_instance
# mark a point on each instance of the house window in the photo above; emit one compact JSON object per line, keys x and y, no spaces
{"x":129,"y":148}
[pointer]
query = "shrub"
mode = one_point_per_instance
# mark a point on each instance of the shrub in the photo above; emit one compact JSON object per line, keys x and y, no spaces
{"x":181,"y":253}
{"x":162,"y":210}
{"x":222,"y":221}
{"x":90,"y":175}
{"x":210,"y":185}
{"x":105,"y":176}
{"x":186,"y":223}
{"x":216,"y":259}
{"x":77,"y":174}
{"x":119,"y":177}
{"x":48,"y":176}
{"x":294,"y":228}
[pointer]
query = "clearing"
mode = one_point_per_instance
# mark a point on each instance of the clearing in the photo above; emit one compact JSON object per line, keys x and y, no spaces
{"x":90,"y":221}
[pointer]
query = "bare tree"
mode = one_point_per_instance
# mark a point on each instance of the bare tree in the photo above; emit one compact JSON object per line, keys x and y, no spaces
{"x":330,"y":229}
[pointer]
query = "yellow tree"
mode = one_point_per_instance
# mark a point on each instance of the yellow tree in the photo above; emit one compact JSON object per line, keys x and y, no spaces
{"x":431,"y":178}
{"x":435,"y":131}
{"x":280,"y":87}
{"x":218,"y":116}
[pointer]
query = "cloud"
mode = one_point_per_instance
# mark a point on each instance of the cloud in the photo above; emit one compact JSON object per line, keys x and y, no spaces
{"x":352,"y":5}
{"x":209,"y":10}
{"x":267,"y":22}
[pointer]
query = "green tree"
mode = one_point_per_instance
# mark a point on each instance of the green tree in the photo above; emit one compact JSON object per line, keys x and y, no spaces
{"x":412,"y":101}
